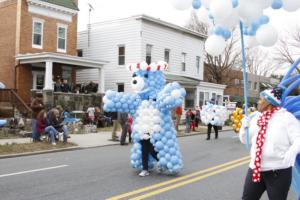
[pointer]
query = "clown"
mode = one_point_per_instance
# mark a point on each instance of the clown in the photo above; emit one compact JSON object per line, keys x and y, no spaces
{"x":153,"y":131}
{"x":275,"y":137}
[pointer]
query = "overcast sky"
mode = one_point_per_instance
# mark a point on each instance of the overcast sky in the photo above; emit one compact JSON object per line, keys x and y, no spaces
{"x":114,"y":9}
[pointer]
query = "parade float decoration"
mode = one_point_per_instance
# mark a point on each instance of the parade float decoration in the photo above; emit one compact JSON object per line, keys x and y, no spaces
{"x":254,"y":30}
{"x":215,"y":115}
{"x":224,"y":15}
{"x":150,"y":106}
{"x":236,"y":119}
{"x":291,"y":103}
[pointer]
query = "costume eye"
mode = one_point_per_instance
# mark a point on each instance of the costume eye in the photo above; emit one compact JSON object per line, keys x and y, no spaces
{"x":146,"y":75}
{"x":134,"y":75}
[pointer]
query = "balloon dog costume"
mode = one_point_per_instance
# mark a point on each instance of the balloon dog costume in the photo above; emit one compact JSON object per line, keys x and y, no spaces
{"x":150,"y":107}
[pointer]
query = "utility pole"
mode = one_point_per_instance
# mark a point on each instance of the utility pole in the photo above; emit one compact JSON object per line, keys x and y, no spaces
{"x":91,"y":8}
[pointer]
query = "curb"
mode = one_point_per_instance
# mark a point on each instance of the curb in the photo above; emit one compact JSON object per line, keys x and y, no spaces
{"x":82,"y":148}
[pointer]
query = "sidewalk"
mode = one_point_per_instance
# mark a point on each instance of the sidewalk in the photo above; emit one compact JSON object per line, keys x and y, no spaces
{"x":94,"y":139}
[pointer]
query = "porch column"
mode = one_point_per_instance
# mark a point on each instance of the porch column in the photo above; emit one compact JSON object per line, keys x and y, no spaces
{"x":101,"y":81}
{"x":48,"y":76}
{"x":197,"y":97}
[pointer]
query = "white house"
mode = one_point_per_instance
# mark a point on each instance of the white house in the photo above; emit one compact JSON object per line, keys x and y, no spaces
{"x":143,"y":38}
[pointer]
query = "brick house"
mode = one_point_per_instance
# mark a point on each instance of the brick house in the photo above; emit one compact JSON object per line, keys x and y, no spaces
{"x":235,"y":85}
{"x":38,"y":42}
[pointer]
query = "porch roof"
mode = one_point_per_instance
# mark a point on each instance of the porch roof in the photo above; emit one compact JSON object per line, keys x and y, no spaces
{"x":182,"y":79}
{"x":84,"y":62}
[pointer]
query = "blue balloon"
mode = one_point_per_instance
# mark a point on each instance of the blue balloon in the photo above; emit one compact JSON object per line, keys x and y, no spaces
{"x":234,"y":3}
{"x":264,"y":19}
{"x":276,"y":4}
{"x":217,"y":30}
{"x":196,"y":4}
{"x":226,"y":34}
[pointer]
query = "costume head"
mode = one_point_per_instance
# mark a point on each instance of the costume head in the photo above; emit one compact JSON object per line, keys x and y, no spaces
{"x":272,"y":96}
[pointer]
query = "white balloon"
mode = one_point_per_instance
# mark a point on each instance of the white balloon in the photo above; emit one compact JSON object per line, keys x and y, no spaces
{"x":249,"y":11}
{"x":215,"y":45}
{"x":202,"y":14}
{"x":291,"y":5}
{"x":266,"y":35}
{"x":206,"y":3}
{"x":230,"y":22}
{"x":263,"y":3}
{"x":250,"y":41}
{"x":182,"y":4}
{"x":176,"y":93}
{"x":221,"y":9}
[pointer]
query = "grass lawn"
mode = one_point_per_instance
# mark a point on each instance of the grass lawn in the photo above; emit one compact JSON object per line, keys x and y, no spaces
{"x":31,"y":147}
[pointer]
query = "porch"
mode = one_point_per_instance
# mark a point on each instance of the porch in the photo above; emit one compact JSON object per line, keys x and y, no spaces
{"x":41,"y":72}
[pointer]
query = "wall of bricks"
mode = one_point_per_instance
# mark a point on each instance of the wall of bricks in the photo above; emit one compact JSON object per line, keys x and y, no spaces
{"x":7,"y":42}
{"x":50,"y":33}
{"x":24,"y":82}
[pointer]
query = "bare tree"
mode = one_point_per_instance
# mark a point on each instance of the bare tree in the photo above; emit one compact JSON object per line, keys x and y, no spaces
{"x":258,"y":64}
{"x":288,"y":48}
{"x":219,"y":67}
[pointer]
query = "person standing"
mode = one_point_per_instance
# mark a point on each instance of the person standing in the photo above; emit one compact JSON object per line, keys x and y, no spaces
{"x":197,"y":116}
{"x":114,"y":117}
{"x":275,"y":137}
{"x":178,"y":113}
{"x":36,"y":105}
{"x":123,"y":121}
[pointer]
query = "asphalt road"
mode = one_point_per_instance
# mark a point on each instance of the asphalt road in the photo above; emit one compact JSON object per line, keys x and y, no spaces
{"x":213,"y":170}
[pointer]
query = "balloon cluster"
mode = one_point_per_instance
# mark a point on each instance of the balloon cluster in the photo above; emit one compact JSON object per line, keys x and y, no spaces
{"x":214,"y":114}
{"x":226,"y":14}
{"x":290,"y":82}
{"x":236,"y":119}
{"x":150,"y":106}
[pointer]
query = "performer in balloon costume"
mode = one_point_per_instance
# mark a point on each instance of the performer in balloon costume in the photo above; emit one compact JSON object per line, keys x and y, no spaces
{"x":274,"y":133}
{"x":150,"y":107}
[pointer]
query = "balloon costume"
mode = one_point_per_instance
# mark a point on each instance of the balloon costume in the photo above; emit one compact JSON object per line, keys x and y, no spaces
{"x":292,"y":103}
{"x":214,"y":114}
{"x":150,"y":107}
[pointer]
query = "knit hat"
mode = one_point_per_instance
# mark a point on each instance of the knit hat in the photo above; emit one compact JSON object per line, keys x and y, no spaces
{"x":273,"y":95}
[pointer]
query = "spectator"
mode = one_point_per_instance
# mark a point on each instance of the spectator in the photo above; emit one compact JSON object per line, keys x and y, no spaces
{"x":54,"y":120}
{"x":114,"y":117}
{"x":197,"y":116}
{"x":36,"y":105}
{"x":123,"y":121}
{"x":43,"y":128}
{"x":129,"y":129}
{"x":188,"y":121}
{"x":192,"y":124}
{"x":65,"y":87}
{"x":57,"y":85}
{"x":91,"y":114}
{"x":178,"y":113}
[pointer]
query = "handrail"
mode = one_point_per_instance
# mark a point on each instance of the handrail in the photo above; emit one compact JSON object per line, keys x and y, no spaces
{"x":10,"y":95}
{"x":21,"y":100}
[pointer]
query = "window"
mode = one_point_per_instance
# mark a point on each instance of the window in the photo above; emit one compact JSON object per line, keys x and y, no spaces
{"x":121,"y":58}
{"x":249,"y":85}
{"x":167,"y":55}
{"x":148,"y":53}
{"x":183,"y":56}
{"x":37,"y":33}
{"x":61,"y":38}
{"x":38,"y":78}
{"x":255,"y":86}
{"x":120,"y":87}
{"x":219,"y":100}
{"x":201,"y":99}
{"x":213,"y":97}
{"x":79,"y":52}
{"x":236,"y":81}
{"x":198,"y":64}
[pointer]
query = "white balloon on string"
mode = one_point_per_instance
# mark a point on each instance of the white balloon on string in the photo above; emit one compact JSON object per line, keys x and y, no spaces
{"x":182,"y":4}
{"x":291,"y":5}
{"x":266,"y":35}
{"x":215,"y":45}
{"x":221,"y":9}
{"x":249,"y":11}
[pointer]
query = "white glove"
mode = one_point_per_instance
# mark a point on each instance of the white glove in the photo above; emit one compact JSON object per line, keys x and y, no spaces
{"x":245,"y":121}
{"x":290,"y":157}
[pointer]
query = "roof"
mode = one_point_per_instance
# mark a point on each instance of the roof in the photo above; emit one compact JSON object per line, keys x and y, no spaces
{"x":155,"y":21}
{"x":84,"y":62}
{"x":65,"y":3}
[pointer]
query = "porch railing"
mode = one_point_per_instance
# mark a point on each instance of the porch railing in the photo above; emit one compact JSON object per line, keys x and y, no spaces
{"x":9,"y":96}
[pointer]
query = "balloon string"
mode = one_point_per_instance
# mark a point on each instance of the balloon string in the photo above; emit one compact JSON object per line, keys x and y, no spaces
{"x":245,"y":81}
